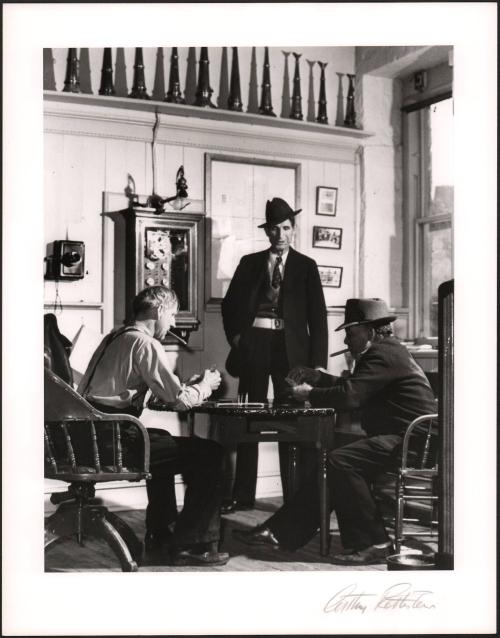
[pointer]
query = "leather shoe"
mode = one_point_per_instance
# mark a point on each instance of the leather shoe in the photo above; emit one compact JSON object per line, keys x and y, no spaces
{"x":257,"y":536}
{"x":368,"y":556}
{"x":233,"y":506}
{"x":189,"y":557}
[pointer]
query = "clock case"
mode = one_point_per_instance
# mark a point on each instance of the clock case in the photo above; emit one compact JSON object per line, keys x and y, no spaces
{"x":166,"y":249}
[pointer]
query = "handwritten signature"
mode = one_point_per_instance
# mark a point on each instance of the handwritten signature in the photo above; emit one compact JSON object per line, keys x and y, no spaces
{"x":399,"y":596}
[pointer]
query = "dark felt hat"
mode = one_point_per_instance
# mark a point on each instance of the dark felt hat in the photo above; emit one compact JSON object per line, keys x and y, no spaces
{"x":366,"y":311}
{"x":277,"y":210}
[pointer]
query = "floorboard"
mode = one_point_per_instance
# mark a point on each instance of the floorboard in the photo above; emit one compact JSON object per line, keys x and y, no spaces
{"x":96,"y":556}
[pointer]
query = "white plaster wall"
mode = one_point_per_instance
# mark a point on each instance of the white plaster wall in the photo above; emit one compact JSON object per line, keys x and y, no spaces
{"x":381,"y":257}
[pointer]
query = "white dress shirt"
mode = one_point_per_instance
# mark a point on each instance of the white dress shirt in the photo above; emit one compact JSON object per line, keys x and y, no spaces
{"x":131,"y":364}
{"x":271,"y":261}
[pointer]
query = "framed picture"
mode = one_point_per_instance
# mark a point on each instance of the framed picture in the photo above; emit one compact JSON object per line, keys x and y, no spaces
{"x":326,"y":200}
{"x":330,"y":276}
{"x":326,"y":237}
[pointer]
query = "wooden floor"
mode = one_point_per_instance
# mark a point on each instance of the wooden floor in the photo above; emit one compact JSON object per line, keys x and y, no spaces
{"x":96,"y":556}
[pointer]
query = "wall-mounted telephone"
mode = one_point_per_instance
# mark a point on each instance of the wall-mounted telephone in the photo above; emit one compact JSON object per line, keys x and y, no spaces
{"x":67,"y":260}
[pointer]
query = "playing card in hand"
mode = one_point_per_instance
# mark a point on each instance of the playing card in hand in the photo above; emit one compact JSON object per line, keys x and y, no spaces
{"x":303,"y":374}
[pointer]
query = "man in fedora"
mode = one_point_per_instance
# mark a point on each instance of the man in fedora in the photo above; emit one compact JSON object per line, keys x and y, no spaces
{"x":274,"y":317}
{"x":390,"y":390}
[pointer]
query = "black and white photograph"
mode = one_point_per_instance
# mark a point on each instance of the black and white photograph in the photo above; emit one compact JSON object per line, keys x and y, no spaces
{"x":327,"y":237}
{"x":326,"y":200}
{"x":331,"y":276}
{"x":205,"y":413}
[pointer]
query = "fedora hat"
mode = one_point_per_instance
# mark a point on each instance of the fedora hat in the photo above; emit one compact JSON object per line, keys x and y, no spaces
{"x":366,"y":311}
{"x":277,"y":210}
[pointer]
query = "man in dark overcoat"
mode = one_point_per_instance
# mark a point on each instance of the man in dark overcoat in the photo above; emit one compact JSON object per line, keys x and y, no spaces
{"x":274,"y":317}
{"x":390,"y":390}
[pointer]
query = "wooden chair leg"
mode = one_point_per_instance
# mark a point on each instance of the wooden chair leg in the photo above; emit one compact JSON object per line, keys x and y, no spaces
{"x":51,"y":540}
{"x":94,"y":520}
{"x":64,"y":522}
{"x":127,"y":533}
{"x":398,"y":522}
{"x":324,"y":530}
{"x":293,"y":454}
{"x":96,"y":524}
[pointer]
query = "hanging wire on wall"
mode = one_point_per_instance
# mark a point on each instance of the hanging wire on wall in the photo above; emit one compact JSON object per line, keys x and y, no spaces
{"x":178,"y":202}
{"x":57,"y":305}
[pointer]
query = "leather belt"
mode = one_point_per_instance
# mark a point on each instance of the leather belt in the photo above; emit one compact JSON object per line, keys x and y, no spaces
{"x":269,"y":323}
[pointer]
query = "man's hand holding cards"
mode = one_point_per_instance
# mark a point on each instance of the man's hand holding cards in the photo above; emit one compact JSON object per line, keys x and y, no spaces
{"x":303,"y":374}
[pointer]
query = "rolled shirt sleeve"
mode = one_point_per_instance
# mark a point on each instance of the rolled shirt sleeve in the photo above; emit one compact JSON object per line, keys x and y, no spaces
{"x":155,"y":370}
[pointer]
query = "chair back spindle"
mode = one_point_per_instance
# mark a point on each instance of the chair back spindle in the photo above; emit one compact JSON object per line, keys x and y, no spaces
{"x":69,"y":447}
{"x":95,"y":447}
{"x":49,"y":451}
{"x":427,"y":446}
{"x":119,"y":451}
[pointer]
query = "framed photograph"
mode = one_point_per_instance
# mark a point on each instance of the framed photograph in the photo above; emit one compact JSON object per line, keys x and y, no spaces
{"x":326,"y":200}
{"x":331,"y":276}
{"x":326,"y":237}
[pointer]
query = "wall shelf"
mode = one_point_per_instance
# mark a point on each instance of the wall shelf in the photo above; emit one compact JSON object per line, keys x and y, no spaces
{"x":220,"y":115}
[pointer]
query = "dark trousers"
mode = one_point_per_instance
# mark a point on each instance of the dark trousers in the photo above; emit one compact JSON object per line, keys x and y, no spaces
{"x":200,"y":462}
{"x":351,"y":470}
{"x":264,"y":354}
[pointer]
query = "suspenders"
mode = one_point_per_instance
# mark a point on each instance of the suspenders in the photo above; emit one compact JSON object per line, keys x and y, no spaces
{"x":109,"y":340}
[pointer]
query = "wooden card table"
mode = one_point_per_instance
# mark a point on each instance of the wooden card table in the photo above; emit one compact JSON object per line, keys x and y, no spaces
{"x":232,"y":423}
{"x":237,"y":423}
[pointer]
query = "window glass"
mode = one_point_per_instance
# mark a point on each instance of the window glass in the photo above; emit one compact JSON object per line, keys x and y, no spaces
{"x":435,"y":252}
{"x":441,"y":155}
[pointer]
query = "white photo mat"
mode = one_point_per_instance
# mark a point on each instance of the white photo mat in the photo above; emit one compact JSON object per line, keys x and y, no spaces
{"x":36,"y":603}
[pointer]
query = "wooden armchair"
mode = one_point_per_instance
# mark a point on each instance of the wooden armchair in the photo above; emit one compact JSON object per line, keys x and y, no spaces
{"x":83,"y":447}
{"x":416,"y":481}
{"x":410,"y":491}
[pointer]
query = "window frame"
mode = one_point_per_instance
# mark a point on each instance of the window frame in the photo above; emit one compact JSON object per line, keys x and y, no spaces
{"x":415,"y":196}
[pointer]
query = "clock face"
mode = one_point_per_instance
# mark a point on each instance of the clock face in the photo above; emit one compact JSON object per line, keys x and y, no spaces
{"x":158,"y":246}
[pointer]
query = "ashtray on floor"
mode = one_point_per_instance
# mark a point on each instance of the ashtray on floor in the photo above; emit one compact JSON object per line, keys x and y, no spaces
{"x":410,"y":561}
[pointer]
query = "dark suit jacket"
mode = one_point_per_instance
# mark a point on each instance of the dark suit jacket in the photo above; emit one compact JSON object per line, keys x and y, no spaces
{"x":304,"y":310}
{"x":387,"y":386}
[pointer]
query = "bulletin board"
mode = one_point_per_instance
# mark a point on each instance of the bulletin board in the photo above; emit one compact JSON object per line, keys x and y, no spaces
{"x":236,"y":194}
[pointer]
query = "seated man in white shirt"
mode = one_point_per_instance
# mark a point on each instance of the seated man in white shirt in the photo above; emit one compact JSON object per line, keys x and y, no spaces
{"x":129,"y":362}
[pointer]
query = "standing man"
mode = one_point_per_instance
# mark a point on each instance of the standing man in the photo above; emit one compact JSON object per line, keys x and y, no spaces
{"x":390,"y":390}
{"x":274,"y":318}
{"x":129,"y":362}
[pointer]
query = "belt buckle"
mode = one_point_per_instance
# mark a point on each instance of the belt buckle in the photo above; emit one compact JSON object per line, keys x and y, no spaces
{"x":277,"y":323}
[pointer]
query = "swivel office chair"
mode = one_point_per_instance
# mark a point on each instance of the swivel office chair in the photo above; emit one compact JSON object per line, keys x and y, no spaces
{"x":83,"y":447}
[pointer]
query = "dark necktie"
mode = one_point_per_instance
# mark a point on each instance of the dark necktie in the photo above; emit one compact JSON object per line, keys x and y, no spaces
{"x":276,"y":278}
